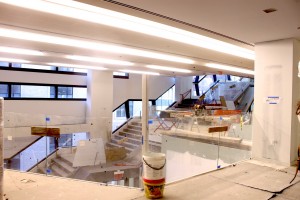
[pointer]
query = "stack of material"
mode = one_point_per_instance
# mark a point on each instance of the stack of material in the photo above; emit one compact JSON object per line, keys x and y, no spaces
{"x":115,"y":153}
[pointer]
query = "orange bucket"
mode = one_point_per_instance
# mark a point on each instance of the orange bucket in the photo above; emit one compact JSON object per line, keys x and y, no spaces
{"x":154,"y":189}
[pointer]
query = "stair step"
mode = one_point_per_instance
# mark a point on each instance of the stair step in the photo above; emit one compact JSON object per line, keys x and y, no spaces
{"x":133,"y":131}
{"x":136,"y":124}
{"x":110,"y":144}
{"x":130,"y":135}
{"x":68,"y":161}
{"x":125,"y":144}
{"x":58,"y":171}
{"x":63,"y":165}
{"x":134,"y":127}
{"x":130,"y":140}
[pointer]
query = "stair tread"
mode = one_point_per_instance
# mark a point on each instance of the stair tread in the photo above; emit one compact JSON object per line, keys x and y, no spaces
{"x":126,"y":132}
{"x":56,"y":170}
{"x":117,"y":145}
{"x":135,"y":145}
{"x":129,"y":138}
{"x":63,"y":164}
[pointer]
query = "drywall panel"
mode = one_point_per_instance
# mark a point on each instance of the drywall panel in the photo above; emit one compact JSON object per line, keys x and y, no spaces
{"x":37,"y":77}
{"x":132,"y":88}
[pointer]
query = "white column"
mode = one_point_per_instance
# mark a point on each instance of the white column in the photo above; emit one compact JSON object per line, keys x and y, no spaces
{"x":275,"y":126}
{"x":145,"y":126}
{"x":100,"y":103}
{"x":1,"y":145}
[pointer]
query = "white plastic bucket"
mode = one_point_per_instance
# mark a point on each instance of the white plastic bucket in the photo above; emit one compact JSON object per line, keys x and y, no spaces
{"x":154,"y":166}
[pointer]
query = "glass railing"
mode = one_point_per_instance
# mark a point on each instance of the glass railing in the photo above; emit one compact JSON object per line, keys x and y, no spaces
{"x":194,"y":142}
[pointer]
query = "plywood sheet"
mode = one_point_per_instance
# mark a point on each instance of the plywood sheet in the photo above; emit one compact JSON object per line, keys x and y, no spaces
{"x":45,"y":131}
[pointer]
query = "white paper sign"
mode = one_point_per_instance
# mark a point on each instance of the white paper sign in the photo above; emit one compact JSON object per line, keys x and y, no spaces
{"x":273,"y":100}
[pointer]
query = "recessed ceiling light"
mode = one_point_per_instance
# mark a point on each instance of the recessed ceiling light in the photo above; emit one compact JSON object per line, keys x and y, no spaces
{"x":76,"y":66}
{"x":140,"y":72}
{"x":20,"y":51}
{"x":100,"y":60}
{"x":14,"y":60}
{"x":50,"y":39}
{"x":173,"y":69}
{"x":85,"y":12}
{"x":229,"y":68}
{"x":270,"y":10}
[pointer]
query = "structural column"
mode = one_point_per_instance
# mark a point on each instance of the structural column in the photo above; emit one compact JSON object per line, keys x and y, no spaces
{"x":100,"y":103}
{"x":1,"y":146}
{"x":145,"y":114}
{"x":277,"y":90}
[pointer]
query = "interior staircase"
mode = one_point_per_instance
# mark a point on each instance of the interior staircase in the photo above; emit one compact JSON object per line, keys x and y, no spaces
{"x":130,"y":137}
{"x":60,"y":165}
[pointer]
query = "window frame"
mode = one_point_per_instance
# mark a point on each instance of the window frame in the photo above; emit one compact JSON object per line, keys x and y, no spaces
{"x":10,"y":84}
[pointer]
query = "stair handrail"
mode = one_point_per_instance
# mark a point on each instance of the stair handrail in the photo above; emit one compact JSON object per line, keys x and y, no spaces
{"x":213,"y":85}
{"x":42,"y":160}
{"x":185,"y":94}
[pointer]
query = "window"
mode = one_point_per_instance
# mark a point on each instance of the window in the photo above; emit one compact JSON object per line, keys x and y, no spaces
{"x":135,"y":108}
{"x":121,"y":75}
{"x":119,"y":117}
{"x":30,"y":66}
{"x":4,"y":64}
{"x":121,"y":112}
{"x":166,"y":99}
{"x":72,"y":92}
{"x":3,"y":90}
{"x":32,"y":91}
{"x":65,"y":92}
{"x":69,"y":69}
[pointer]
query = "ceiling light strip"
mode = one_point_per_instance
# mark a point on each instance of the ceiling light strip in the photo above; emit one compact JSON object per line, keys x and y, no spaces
{"x":172,"y":69}
{"x":85,"y":12}
{"x":13,"y":60}
{"x":140,"y":72}
{"x":229,"y":68}
{"x":76,"y":66}
{"x":51,"y":39}
{"x":99,"y":60}
{"x":20,"y":51}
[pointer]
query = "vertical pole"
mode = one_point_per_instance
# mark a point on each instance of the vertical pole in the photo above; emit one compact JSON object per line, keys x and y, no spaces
{"x":145,"y":126}
{"x":1,"y":146}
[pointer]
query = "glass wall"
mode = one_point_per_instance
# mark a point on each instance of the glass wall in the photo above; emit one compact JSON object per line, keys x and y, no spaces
{"x":166,"y":99}
{"x":119,"y":117}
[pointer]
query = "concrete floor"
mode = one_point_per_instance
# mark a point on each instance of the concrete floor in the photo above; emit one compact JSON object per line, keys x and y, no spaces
{"x":246,"y":180}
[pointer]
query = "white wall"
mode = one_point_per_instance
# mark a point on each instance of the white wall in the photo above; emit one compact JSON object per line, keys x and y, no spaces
{"x":183,"y":84}
{"x":100,"y":103}
{"x":49,"y":107}
{"x":131,"y":88}
{"x":274,"y":125}
{"x":62,"y":108}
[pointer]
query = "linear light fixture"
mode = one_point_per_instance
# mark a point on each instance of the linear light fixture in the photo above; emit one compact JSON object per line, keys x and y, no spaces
{"x":85,"y":12}
{"x":51,"y":39}
{"x":140,"y":72}
{"x":229,"y":68}
{"x":20,"y":51}
{"x":76,"y":66}
{"x":100,"y":60}
{"x":172,"y":69}
{"x":14,"y":60}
